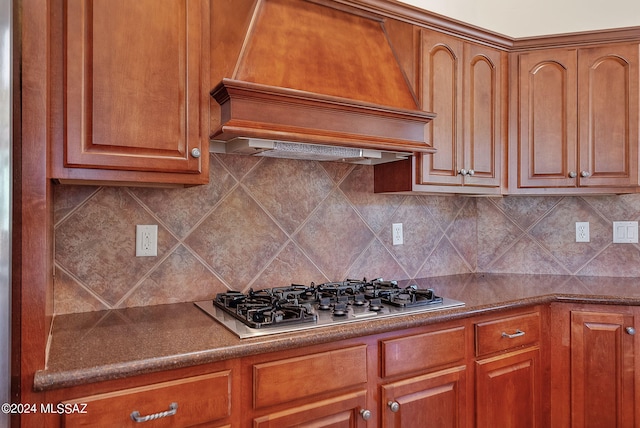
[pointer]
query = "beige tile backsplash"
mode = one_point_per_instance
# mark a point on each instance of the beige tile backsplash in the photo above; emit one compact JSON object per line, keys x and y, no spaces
{"x":271,"y":222}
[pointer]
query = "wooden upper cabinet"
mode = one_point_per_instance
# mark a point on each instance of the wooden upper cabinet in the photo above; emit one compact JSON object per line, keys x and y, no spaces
{"x":442,"y":62}
{"x":462,"y":84}
{"x":608,"y":115}
{"x":548,"y":121}
{"x":482,"y":116}
{"x":136,"y":88}
{"x":578,"y":119}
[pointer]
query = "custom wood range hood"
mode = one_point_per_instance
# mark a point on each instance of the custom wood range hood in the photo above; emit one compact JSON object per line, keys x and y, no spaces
{"x":315,"y":72}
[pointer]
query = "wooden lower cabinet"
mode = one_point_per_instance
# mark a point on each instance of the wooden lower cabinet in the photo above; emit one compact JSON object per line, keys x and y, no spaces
{"x":435,"y":399}
{"x":460,"y":373}
{"x":410,"y":378}
{"x":508,"y":390}
{"x":424,"y":378}
{"x":602,"y":370}
{"x":594,"y":361}
{"x":183,"y":402}
{"x":343,"y":411}
{"x":323,"y":386}
{"x":508,"y":370}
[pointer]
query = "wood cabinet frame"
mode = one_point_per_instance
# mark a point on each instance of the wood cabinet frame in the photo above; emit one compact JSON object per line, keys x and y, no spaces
{"x":80,"y":151}
{"x":37,"y":115}
{"x":568,"y":134}
{"x":581,"y":329}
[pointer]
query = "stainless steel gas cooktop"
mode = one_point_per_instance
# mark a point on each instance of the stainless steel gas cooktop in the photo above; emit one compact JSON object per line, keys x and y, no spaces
{"x":301,"y":307}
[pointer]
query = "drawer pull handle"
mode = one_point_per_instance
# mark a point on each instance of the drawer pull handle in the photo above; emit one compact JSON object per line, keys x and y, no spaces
{"x":518,"y":333}
{"x":173,"y":409}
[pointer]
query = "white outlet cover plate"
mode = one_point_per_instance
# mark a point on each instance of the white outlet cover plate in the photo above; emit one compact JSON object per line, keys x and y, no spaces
{"x":146,"y":240}
{"x":396,"y":230}
{"x":625,"y":232}
{"x":582,"y":231}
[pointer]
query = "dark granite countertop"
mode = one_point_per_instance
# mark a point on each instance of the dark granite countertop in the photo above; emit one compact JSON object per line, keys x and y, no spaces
{"x":96,"y":346}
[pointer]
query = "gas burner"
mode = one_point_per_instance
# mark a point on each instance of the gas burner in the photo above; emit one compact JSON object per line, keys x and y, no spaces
{"x":375,"y":305}
{"x":411,"y":296}
{"x":324,"y":304}
{"x":295,"y":292}
{"x":295,"y":307}
{"x":264,"y":307}
{"x":359,"y":300}
{"x":340,"y":309}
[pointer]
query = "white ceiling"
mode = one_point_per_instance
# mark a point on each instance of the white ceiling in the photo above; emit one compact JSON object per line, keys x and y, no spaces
{"x":518,"y":18}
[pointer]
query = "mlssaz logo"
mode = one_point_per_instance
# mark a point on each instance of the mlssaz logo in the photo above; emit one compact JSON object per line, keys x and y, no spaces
{"x":63,"y":408}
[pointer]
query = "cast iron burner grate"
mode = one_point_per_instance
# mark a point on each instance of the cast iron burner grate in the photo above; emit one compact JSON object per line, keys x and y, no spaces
{"x":296,"y":303}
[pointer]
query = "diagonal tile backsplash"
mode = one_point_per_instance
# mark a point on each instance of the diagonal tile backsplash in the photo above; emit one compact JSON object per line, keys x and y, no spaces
{"x":264,"y":222}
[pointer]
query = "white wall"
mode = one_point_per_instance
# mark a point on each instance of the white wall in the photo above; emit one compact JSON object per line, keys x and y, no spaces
{"x":518,"y":18}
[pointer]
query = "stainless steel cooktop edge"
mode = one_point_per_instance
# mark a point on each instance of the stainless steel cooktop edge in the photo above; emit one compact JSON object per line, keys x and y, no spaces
{"x":325,"y":319}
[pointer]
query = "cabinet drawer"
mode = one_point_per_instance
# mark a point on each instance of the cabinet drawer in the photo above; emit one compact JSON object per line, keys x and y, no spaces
{"x":199,"y":399}
{"x":422,"y":351}
{"x":507,"y":333}
{"x":294,"y":378}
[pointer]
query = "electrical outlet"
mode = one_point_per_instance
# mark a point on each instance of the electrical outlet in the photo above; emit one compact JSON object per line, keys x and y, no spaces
{"x":146,"y":240}
{"x":582,"y":231}
{"x":396,"y":229}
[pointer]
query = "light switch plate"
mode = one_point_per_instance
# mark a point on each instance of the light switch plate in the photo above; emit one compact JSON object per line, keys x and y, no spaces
{"x":625,"y":232}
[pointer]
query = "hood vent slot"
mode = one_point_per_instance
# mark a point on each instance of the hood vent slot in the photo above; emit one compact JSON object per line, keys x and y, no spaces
{"x":305,"y":151}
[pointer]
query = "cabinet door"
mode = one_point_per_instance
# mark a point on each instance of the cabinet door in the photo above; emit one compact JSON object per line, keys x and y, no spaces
{"x":436,"y":399}
{"x":547,"y":85}
{"x":134,"y":84}
{"x":608,"y":115}
{"x":462,"y":84}
{"x":508,"y":390}
{"x":442,"y":64}
{"x":602,"y":370}
{"x":482,"y":115}
{"x":339,"y":412}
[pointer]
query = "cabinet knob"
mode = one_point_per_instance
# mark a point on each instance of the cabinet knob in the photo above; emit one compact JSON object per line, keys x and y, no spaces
{"x":195,"y":152}
{"x":573,"y":174}
{"x":630,"y":330}
{"x":471,"y":172}
{"x":366,"y":414}
{"x":463,"y":172}
{"x":585,"y":174}
{"x":394,"y":406}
